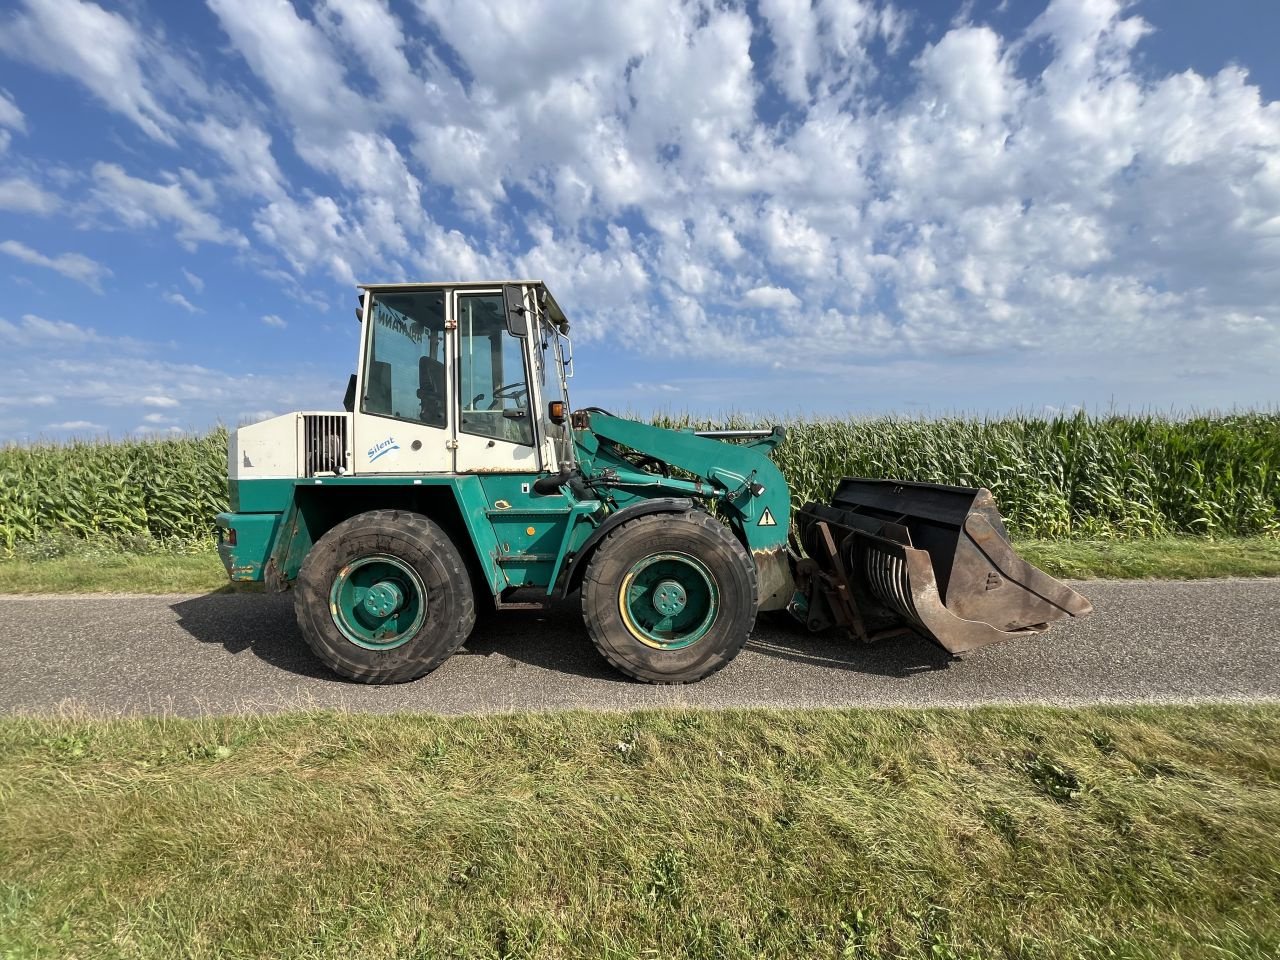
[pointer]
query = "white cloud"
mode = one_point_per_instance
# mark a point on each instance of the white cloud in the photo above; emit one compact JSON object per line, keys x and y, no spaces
{"x":293,"y":58}
{"x":771,"y":298}
{"x":38,"y":400}
{"x":35,"y":329}
{"x":311,"y":234}
{"x":178,"y":300}
{"x":271,"y":320}
{"x":158,"y":401}
{"x":246,"y":151}
{"x":143,"y":203}
{"x":20,"y":195}
{"x":76,"y":266}
{"x":155,"y":418}
{"x":151,"y":428}
{"x":824,"y":44}
{"x":10,"y":115}
{"x":197,"y":284}
{"x":101,"y":49}
{"x":76,"y":425}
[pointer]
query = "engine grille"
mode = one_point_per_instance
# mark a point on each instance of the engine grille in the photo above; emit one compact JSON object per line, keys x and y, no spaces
{"x":324,"y":444}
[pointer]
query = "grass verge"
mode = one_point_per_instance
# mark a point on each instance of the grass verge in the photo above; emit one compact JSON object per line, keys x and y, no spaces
{"x":100,"y":570}
{"x":1147,"y":832}
{"x":1166,"y":558}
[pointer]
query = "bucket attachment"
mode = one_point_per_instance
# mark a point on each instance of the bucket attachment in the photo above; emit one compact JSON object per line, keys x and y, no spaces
{"x":935,"y":558}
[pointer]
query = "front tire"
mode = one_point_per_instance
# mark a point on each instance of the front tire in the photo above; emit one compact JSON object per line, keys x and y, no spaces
{"x":670,"y":597}
{"x":384,"y":597}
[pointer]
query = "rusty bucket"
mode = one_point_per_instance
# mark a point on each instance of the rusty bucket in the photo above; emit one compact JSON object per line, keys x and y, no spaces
{"x":935,"y":558}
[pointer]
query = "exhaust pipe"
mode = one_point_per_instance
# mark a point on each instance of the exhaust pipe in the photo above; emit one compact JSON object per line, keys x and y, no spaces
{"x":934,"y":558}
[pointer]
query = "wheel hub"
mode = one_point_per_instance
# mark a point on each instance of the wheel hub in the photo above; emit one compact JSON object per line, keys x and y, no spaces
{"x":669,"y":598}
{"x":384,"y":598}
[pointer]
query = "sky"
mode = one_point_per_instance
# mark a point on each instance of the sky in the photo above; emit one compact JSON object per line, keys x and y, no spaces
{"x":781,"y":207}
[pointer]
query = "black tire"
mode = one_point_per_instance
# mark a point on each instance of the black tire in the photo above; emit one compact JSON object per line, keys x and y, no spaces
{"x":695,"y":534}
{"x":423,"y":547}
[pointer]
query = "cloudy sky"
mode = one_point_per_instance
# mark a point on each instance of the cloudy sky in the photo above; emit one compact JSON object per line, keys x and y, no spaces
{"x":784,"y":206}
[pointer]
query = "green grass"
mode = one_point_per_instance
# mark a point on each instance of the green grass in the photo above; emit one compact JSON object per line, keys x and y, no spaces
{"x":107,"y":569}
{"x":1039,"y":833}
{"x":1165,"y":558}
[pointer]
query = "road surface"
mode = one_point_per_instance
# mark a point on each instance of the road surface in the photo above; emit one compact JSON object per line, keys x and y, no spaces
{"x":1146,"y":642}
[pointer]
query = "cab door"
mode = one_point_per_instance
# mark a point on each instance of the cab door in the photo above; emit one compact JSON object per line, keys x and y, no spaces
{"x":403,"y":417}
{"x":496,"y":396}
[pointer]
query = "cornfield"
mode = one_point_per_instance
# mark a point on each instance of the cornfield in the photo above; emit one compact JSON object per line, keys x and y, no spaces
{"x":1055,"y":478}
{"x":162,"y":490}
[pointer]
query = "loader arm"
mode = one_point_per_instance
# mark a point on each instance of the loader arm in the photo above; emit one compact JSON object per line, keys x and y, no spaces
{"x":745,"y":484}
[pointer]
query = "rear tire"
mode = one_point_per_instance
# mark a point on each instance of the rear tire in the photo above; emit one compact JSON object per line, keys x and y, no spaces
{"x":384,"y":597}
{"x":670,"y":597}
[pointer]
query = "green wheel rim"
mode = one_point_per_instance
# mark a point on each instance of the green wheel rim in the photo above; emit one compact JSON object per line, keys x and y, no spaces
{"x":378,"y":602}
{"x":668,"y":600}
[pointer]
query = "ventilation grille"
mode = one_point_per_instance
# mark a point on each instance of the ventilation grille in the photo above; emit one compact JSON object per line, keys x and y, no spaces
{"x":324,"y":444}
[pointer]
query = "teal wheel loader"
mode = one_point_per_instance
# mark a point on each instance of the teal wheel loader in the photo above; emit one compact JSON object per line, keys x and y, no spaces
{"x":457,"y":477}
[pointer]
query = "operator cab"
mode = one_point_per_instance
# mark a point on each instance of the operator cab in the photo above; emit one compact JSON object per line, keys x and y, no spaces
{"x":461,"y":378}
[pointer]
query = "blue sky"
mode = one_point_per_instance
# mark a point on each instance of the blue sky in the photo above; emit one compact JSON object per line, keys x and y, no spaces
{"x":783,"y":206}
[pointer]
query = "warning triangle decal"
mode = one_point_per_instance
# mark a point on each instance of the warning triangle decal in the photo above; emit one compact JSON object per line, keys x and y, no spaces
{"x":766,"y":519}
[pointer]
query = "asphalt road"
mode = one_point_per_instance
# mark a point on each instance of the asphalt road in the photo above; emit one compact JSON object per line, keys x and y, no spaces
{"x":1146,"y":642}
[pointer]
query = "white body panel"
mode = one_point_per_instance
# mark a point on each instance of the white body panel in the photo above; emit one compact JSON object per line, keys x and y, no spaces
{"x":388,"y":445}
{"x":266,"y":449}
{"x":291,"y":446}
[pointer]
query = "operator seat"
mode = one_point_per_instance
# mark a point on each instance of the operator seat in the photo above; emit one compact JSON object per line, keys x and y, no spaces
{"x":431,"y":391}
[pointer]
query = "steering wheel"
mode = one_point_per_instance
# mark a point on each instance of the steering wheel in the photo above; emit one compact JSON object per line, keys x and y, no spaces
{"x":508,"y":391}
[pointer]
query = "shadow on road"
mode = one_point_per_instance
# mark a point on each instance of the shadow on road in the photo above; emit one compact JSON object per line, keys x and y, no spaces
{"x":553,"y":639}
{"x":901,"y":656}
{"x":262,"y":624}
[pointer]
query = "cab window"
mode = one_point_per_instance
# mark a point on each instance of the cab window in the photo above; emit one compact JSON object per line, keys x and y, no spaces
{"x":494,"y":394}
{"x":405,"y":376}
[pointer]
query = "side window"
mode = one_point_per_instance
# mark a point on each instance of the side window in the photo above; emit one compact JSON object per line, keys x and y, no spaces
{"x":494,"y":394}
{"x":553,"y":388}
{"x":405,"y":377}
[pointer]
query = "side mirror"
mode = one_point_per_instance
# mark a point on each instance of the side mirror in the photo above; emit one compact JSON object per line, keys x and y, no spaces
{"x":517,"y":315}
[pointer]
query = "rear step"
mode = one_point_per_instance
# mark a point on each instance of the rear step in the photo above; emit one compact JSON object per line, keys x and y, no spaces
{"x":935,"y":558}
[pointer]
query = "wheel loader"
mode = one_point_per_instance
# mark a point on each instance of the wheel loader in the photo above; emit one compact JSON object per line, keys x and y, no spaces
{"x":457,"y":478}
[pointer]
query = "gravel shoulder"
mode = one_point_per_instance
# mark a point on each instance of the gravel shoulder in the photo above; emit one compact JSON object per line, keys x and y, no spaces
{"x":1147,"y":642}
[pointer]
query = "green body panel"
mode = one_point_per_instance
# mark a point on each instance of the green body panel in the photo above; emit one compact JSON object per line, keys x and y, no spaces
{"x":531,"y":530}
{"x":268,"y":495}
{"x":255,"y":534}
{"x":498,"y":511}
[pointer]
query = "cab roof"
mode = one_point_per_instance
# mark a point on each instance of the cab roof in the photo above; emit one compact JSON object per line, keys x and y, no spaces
{"x":548,"y":301}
